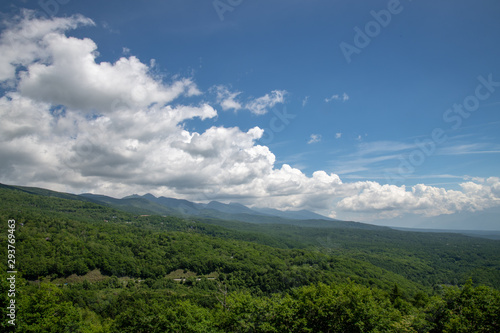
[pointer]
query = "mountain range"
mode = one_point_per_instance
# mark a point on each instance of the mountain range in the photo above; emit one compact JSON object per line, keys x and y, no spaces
{"x":150,"y":204}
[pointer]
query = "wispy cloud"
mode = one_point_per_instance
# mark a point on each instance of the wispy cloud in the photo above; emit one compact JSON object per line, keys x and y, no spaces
{"x":344,"y":97}
{"x":262,"y":104}
{"x":349,"y":164}
{"x":231,"y":100}
{"x":416,"y":177}
{"x":227,"y":99}
{"x":314,"y":138}
{"x":305,"y":100}
{"x":469,"y":149}
{"x":370,"y":156}
{"x":379,"y":147}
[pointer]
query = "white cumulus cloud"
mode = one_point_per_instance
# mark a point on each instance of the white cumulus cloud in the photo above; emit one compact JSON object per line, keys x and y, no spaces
{"x":392,"y":201}
{"x":71,"y":123}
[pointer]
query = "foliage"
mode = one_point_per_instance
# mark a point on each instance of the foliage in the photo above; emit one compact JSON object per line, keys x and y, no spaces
{"x":237,"y":277}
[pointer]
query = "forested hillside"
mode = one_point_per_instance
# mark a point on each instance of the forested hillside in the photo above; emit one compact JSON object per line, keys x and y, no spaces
{"x":85,"y":267}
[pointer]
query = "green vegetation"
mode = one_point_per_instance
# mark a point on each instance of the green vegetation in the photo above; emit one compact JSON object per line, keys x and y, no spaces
{"x":85,"y":267}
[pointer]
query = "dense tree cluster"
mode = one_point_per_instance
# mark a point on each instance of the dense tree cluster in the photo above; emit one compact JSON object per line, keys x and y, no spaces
{"x":201,"y":307}
{"x":237,"y":277}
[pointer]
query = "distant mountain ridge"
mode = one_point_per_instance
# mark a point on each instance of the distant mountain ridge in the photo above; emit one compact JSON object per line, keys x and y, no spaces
{"x":215,"y":212}
{"x":185,"y":207}
{"x":148,"y":204}
{"x":296,"y":214}
{"x":191,"y":208}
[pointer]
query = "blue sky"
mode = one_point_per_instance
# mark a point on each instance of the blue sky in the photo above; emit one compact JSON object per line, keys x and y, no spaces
{"x":380,"y":116}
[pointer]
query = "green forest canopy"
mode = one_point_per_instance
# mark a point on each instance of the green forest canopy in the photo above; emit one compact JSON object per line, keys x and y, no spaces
{"x":234,"y":276}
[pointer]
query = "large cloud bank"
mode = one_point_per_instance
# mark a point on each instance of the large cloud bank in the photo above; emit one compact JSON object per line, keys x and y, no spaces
{"x":69,"y":122}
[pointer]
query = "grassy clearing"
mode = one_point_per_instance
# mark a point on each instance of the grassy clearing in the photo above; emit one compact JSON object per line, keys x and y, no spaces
{"x":92,"y":276}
